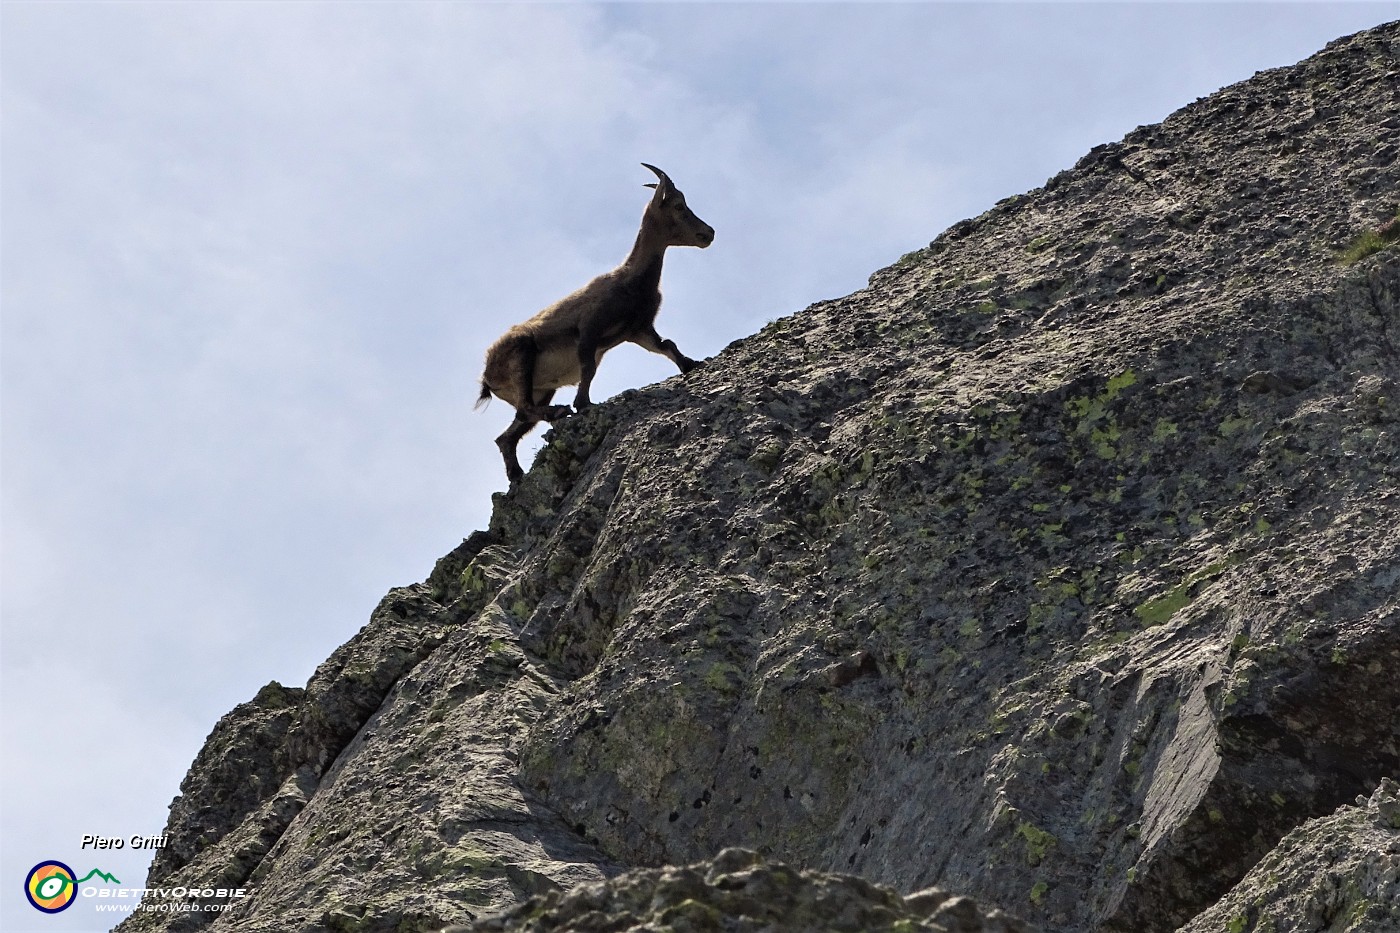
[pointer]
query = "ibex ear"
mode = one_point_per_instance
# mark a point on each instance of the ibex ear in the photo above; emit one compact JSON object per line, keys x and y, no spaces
{"x":650,"y":184}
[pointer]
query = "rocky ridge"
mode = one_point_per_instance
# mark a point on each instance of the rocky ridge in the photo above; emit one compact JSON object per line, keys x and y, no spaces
{"x":737,"y":891}
{"x":1339,"y":873}
{"x":1056,"y":568}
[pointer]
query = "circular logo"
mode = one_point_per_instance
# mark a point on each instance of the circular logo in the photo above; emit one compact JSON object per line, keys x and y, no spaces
{"x":50,"y":887}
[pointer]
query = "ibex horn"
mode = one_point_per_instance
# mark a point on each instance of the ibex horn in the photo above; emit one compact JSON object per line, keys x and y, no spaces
{"x":665,"y":181}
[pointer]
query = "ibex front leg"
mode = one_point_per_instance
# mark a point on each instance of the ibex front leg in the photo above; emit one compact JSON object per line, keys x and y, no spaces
{"x":590,"y":352}
{"x":649,"y":339}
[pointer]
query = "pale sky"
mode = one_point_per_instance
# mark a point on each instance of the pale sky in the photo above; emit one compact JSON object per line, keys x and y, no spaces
{"x":251,"y":255}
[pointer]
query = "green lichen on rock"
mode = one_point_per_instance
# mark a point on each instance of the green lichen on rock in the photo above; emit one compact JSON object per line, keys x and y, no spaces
{"x":1038,"y":842}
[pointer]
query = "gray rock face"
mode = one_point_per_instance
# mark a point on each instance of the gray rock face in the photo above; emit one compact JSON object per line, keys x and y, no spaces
{"x":738,"y":893}
{"x":1335,"y":874}
{"x":1057,"y":568}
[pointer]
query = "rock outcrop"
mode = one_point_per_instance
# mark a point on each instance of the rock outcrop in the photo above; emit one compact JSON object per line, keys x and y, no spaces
{"x":1338,"y":873}
{"x":738,"y":892}
{"x":1057,"y":568}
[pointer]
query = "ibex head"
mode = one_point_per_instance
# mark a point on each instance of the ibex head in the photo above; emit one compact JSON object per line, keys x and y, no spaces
{"x":676,"y":223}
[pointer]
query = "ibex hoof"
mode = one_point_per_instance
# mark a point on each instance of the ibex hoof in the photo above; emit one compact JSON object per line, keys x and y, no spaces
{"x":688,"y":364}
{"x":559,"y":411}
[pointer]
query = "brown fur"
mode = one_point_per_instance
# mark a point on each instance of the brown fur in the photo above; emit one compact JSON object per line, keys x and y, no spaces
{"x":562,"y":345}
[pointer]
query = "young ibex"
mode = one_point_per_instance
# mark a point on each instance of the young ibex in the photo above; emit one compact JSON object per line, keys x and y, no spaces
{"x":562,"y":344}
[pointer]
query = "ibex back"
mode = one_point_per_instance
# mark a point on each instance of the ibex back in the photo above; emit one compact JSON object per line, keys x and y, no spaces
{"x":562,"y":345}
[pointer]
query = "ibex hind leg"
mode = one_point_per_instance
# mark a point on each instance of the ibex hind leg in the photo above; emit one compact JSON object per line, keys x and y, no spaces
{"x":522,"y":425}
{"x":508,"y":441}
{"x":534,"y":402}
{"x":548,"y":412}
